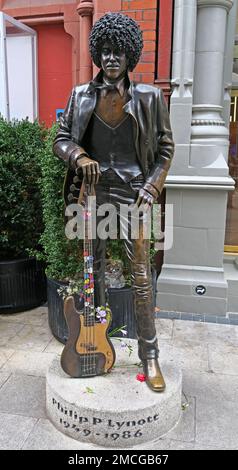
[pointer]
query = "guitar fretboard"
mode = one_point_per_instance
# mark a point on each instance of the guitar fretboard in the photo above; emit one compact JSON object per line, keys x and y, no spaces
{"x":89,"y":308}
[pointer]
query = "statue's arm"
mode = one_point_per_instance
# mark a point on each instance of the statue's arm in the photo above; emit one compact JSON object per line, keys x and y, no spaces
{"x":63,"y":146}
{"x":165,"y":149}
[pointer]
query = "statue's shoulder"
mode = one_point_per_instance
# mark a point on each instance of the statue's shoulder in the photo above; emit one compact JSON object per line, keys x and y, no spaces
{"x":78,"y":89}
{"x":144,"y":88}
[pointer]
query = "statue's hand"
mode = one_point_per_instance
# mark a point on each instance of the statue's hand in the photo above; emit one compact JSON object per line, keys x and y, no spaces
{"x":90,"y":169}
{"x":146,"y":199}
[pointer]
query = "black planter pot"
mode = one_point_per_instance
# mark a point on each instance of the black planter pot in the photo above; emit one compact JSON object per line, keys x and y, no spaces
{"x":56,"y":317}
{"x":22,"y":285}
{"x":121,"y":303}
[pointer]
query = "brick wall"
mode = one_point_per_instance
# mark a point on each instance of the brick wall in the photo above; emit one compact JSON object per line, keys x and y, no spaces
{"x":145,"y":13}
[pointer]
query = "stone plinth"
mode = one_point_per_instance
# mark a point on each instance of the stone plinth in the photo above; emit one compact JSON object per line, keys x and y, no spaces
{"x":114,"y":410}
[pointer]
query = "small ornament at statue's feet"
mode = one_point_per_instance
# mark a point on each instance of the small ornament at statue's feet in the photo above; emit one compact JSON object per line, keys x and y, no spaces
{"x":154,"y":377}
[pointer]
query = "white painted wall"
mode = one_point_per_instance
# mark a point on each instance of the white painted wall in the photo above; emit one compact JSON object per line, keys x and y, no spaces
{"x":20,"y":77}
{"x":18,"y":70}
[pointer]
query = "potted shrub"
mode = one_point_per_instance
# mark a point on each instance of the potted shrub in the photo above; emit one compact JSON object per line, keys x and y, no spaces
{"x":64,"y":257}
{"x":22,"y":278}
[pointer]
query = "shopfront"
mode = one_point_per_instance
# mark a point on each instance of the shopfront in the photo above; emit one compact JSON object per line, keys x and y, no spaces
{"x":231,"y":237}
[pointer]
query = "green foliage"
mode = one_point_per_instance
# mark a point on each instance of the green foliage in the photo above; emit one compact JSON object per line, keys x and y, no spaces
{"x":20,"y":206}
{"x":63,"y":256}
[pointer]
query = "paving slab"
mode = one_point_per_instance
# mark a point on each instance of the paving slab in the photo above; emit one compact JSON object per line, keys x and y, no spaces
{"x":164,"y":328}
{"x":205,"y":332}
{"x":185,"y":354}
{"x":32,"y":338}
{"x":217,"y":423}
{"x":5,"y":354}
{"x":14,"y":430}
{"x":8,"y":332}
{"x":23,"y":395}
{"x":54,"y":346}
{"x":4,"y":376}
{"x":214,"y":386}
{"x":29,"y":363}
{"x":223,"y":358}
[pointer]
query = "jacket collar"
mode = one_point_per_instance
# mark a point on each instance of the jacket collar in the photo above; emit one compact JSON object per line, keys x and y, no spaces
{"x":130,"y":106}
{"x":99,"y":79}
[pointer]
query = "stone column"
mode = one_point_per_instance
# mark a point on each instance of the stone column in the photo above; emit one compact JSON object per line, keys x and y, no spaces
{"x":192,"y":278}
{"x":85,"y":11}
{"x":208,"y":126}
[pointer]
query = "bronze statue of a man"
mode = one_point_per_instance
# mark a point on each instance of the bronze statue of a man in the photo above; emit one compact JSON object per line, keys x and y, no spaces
{"x":118,"y":133}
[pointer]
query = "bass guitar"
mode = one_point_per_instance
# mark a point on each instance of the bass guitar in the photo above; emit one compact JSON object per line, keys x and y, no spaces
{"x":88,"y":351}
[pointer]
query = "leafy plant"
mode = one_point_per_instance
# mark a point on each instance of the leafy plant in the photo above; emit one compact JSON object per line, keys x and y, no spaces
{"x":21,"y":222}
{"x":63,"y":256}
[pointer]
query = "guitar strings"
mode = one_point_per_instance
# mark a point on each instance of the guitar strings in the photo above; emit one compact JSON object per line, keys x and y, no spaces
{"x":91,"y":284}
{"x":92,"y":328}
{"x":87,"y":370}
{"x":86,"y":296}
{"x":90,"y":363}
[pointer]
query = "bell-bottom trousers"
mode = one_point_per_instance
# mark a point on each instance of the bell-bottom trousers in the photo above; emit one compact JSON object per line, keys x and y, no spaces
{"x":111,"y":189}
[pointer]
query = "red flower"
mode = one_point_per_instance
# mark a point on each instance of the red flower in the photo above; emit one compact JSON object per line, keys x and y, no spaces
{"x":141,"y":377}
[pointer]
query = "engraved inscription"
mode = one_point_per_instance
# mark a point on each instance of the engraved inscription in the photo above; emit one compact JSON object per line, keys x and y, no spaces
{"x":112,"y":430}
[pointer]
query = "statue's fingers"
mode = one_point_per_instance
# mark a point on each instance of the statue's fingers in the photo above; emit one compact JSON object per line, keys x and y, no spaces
{"x":97,"y":177}
{"x":89,"y":174}
{"x":97,"y":167}
{"x":84,"y":171}
{"x":93,"y":175}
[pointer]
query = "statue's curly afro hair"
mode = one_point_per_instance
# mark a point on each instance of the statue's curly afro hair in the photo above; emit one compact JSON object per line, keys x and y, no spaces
{"x":123,"y":32}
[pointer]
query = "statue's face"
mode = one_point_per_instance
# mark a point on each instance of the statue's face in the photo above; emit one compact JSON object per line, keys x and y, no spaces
{"x":113,"y":62}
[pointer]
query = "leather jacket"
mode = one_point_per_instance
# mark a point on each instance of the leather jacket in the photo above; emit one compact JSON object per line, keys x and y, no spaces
{"x":152,"y":132}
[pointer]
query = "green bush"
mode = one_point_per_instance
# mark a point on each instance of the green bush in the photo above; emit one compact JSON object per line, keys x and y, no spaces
{"x":21,"y":222}
{"x":63,"y":256}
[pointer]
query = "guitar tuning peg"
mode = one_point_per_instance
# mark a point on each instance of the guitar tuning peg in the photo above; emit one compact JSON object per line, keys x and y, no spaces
{"x":76,"y":179}
{"x":70,"y":197}
{"x":78,"y":171}
{"x":73,"y":188}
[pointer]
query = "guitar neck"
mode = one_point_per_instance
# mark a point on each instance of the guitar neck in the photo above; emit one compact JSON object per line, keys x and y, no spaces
{"x":89,"y":307}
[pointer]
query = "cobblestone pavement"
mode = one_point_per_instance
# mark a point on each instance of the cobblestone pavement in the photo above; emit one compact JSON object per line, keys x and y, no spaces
{"x":207,"y":353}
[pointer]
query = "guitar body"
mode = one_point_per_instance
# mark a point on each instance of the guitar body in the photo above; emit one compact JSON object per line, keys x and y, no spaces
{"x":88,"y":351}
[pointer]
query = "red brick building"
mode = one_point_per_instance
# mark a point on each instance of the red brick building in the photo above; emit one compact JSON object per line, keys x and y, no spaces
{"x":63,"y":57}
